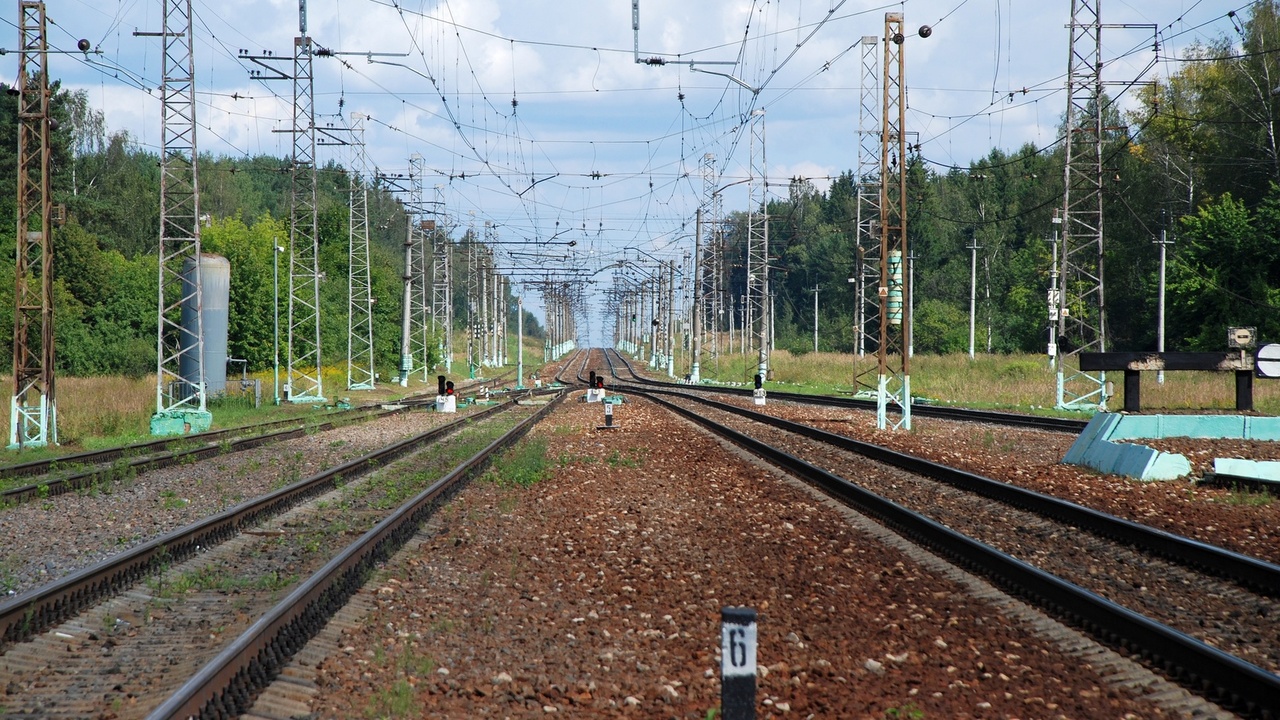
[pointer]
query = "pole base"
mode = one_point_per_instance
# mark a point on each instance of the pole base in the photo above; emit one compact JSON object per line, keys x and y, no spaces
{"x":181,"y":422}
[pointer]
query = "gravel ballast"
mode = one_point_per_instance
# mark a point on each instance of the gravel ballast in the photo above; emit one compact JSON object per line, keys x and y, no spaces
{"x":597,"y":593}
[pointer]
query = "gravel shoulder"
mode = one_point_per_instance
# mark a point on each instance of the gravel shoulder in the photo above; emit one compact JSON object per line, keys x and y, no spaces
{"x":1247,"y":523}
{"x":597,"y":593}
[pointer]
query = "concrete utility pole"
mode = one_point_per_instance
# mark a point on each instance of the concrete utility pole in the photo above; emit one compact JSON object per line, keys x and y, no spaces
{"x":695,"y":370}
{"x":520,"y":341}
{"x":1054,"y":299}
{"x":1163,"y":242}
{"x":973,"y":288}
{"x":894,"y":386}
{"x":815,"y":318}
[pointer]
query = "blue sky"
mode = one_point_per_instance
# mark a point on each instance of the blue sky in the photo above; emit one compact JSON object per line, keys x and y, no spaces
{"x":596,"y":147}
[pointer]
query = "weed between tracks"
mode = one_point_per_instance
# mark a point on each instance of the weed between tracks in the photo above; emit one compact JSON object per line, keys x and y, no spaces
{"x":634,"y":458}
{"x":905,"y":712}
{"x":1247,"y":497}
{"x":399,"y":699}
{"x":220,"y":578}
{"x":521,"y":466}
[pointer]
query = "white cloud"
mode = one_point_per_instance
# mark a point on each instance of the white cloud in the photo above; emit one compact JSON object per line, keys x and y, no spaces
{"x":586,"y":107}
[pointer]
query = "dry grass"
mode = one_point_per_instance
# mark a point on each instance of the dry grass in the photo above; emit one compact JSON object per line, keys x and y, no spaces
{"x":1000,"y":381}
{"x":96,"y":407}
{"x":110,"y":410}
{"x":99,"y":411}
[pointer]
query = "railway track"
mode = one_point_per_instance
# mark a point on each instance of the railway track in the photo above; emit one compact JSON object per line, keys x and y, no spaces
{"x":1206,"y":616}
{"x":148,"y":620}
{"x":79,"y":471}
{"x":1069,"y":425}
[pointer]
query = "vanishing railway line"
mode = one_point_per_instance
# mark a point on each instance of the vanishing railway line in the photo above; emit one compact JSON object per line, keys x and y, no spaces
{"x":1208,"y":617}
{"x":993,"y":417}
{"x":77,"y":471}
{"x":150,"y":623}
{"x":255,"y":590}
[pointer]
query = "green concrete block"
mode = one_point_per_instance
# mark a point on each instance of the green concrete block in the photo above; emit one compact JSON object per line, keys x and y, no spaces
{"x":1094,"y":448}
{"x":1245,"y":427}
{"x":181,"y":422}
{"x":1266,"y":470}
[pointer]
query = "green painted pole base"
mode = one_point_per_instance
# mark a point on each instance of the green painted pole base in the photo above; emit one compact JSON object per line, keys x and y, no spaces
{"x":181,"y":422}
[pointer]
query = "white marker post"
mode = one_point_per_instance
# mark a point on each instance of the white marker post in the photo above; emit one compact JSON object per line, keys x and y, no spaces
{"x":608,"y":415}
{"x":737,"y":663}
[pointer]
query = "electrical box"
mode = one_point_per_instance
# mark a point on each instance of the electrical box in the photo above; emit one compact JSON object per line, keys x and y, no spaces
{"x":1241,"y":337}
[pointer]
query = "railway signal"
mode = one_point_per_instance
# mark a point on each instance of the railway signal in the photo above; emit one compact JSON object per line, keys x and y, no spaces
{"x":595,"y":388}
{"x":446,"y":398}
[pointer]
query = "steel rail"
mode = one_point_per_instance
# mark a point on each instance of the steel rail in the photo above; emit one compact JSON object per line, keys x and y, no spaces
{"x":1258,"y":575}
{"x":41,"y":608}
{"x":106,"y":455}
{"x":1225,"y":678}
{"x":88,"y":478}
{"x":925,"y":410}
{"x":226,"y":686}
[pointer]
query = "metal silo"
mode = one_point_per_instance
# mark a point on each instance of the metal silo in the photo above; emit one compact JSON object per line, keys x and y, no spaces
{"x":215,"y":287}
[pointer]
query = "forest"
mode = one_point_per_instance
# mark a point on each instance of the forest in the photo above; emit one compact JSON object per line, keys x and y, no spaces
{"x":1196,"y":160}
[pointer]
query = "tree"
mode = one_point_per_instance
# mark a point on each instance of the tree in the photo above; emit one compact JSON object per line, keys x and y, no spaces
{"x":1225,"y":272}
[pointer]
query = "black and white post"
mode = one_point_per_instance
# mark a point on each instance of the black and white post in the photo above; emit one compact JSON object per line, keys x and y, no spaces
{"x":737,"y":663}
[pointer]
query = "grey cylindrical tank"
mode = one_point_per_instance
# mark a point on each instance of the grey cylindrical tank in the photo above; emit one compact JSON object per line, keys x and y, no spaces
{"x":215,"y":290}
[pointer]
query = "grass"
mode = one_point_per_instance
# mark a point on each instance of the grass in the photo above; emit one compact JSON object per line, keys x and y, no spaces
{"x":522,"y":466}
{"x":1023,"y":382}
{"x":633,"y":459}
{"x":110,"y":411}
{"x":220,"y":579}
{"x":393,"y":702}
{"x":98,"y":412}
{"x":1247,"y":497}
{"x":905,"y":712}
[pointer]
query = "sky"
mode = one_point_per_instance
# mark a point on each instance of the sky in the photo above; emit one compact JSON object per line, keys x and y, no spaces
{"x":534,"y":115}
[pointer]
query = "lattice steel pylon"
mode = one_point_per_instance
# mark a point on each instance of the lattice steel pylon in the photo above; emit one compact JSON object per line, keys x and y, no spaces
{"x":1081,"y":310}
{"x":711,"y":264}
{"x":485,"y":289}
{"x":442,"y":289}
{"x":33,"y":416}
{"x":302,"y":341}
{"x":360,"y":362}
{"x":303,"y":351}
{"x":180,"y":371}
{"x":420,"y":341}
{"x":866,"y":263}
{"x":758,"y":245}
{"x":473,"y":301}
{"x":894,"y":387}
